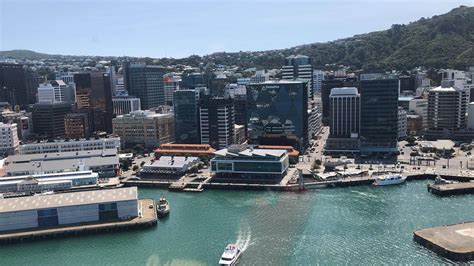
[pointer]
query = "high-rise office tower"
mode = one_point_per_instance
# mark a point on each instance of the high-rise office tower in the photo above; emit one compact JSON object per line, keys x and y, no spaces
{"x":344,"y":123}
{"x":170,"y":84}
{"x":447,"y":107}
{"x":48,"y":118}
{"x":299,"y":67}
{"x":18,"y":84}
{"x":75,"y":125}
{"x":318,"y":77}
{"x":57,"y":91}
{"x":216,"y":117}
{"x":379,"y":114}
{"x":186,"y":116}
{"x":330,"y":82}
{"x":94,"y":95}
{"x":277,"y":113}
{"x":146,"y":83}
{"x":194,"y":80}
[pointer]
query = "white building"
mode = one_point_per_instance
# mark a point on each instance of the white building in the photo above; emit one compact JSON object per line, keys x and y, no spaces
{"x":71,"y":145}
{"x":260,"y":76}
{"x":318,"y":77}
{"x":456,"y":78}
{"x":96,"y":206}
{"x":125,"y":104}
{"x":168,"y":167}
{"x":9,"y":141}
{"x":56,"y":91}
{"x":402,"y":123}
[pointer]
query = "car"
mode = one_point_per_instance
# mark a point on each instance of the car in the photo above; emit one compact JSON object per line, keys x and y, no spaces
{"x":192,"y":175}
{"x":134,"y":178}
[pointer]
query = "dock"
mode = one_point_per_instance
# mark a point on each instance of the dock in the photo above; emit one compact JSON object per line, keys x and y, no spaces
{"x":455,"y":242}
{"x":451,"y":189}
{"x":147,"y":218}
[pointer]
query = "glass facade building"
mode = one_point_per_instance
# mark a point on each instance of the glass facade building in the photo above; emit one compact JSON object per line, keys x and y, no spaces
{"x":277,"y":113}
{"x":146,"y":83}
{"x":186,"y":116}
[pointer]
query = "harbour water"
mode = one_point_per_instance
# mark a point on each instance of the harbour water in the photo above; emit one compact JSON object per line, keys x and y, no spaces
{"x":354,"y":225}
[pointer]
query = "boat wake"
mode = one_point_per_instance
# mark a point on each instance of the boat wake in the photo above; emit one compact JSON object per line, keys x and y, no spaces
{"x":244,"y":238}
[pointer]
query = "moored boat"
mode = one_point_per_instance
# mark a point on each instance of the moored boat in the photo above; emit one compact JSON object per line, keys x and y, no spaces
{"x":163,"y":207}
{"x":390,"y":179}
{"x":231,"y":255}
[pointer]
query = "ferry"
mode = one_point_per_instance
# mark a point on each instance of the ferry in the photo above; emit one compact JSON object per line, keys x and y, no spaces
{"x":231,"y":255}
{"x":390,"y":179}
{"x":163,"y":207}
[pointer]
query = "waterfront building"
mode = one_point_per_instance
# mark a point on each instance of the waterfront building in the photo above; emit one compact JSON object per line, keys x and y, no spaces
{"x":186,"y":116}
{"x":402,"y":123}
{"x":344,"y":123}
{"x":47,"y":182}
{"x":419,"y":107}
{"x":299,"y":67}
{"x":9,"y":141}
{"x":184,"y":150}
{"x":318,"y":77}
{"x":146,"y":83}
{"x":168,"y":167}
{"x":292,"y":153}
{"x":125,"y":104}
{"x":94,"y":96}
{"x":70,"y":145}
{"x":447,"y":108}
{"x":103,"y":162}
{"x":76,"y":125}
{"x":56,"y":91}
{"x":48,"y":118}
{"x":379,"y":113}
{"x":63,"y":209}
{"x":240,"y":163}
{"x":144,"y":127}
{"x":277,"y":113}
{"x":18,"y":84}
{"x":216,"y":116}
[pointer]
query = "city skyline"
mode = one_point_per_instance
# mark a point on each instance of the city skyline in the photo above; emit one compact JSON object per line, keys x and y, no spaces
{"x":146,"y":31}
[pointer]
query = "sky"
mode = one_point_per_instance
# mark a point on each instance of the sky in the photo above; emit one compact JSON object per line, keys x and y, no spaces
{"x":180,"y":28}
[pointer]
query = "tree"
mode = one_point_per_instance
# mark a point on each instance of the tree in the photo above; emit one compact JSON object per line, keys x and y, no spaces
{"x":135,"y":168}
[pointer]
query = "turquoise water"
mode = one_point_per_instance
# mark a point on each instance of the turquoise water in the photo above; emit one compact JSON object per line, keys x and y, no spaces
{"x":355,"y":225}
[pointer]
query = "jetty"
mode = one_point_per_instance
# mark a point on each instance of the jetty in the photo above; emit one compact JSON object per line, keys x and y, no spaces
{"x":451,"y":189}
{"x":147,"y":218}
{"x":455,"y":242}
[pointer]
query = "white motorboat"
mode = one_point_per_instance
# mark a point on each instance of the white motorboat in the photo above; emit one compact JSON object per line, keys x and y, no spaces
{"x":231,"y":255}
{"x":390,"y":179}
{"x":163,"y":207}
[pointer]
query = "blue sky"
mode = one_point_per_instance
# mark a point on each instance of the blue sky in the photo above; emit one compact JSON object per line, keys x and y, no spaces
{"x":182,"y":28}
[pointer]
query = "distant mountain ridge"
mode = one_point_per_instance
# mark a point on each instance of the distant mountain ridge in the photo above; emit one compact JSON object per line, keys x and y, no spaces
{"x":440,"y":41}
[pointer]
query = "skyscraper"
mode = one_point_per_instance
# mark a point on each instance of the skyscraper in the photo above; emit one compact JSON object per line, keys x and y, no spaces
{"x":125,"y":104}
{"x":48,"y":118}
{"x":17,"y":84}
{"x":186,"y":116}
{"x":277,"y":113}
{"x":344,"y":123}
{"x":146,"y":83}
{"x":327,"y":85}
{"x":447,"y":107}
{"x":318,"y":77}
{"x":379,"y":113}
{"x":299,"y":67}
{"x":57,"y":91}
{"x":217,"y":122}
{"x":94,"y":95}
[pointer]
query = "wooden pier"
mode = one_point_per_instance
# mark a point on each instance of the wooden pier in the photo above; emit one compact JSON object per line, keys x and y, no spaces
{"x":147,"y":218}
{"x":455,"y":242}
{"x":451,"y":189}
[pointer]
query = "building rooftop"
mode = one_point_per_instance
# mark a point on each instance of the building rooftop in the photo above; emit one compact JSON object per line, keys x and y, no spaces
{"x":61,"y":155}
{"x":344,"y":91}
{"x":171,"y":162}
{"x":250,"y":152}
{"x":63,"y":164}
{"x":68,"y":199}
{"x":444,"y":89}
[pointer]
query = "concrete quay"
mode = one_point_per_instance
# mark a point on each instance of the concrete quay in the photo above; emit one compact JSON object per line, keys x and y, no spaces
{"x":451,"y":189}
{"x":455,"y":242}
{"x":147,"y":218}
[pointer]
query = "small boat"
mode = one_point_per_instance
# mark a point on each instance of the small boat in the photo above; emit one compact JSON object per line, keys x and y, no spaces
{"x":231,"y":255}
{"x":390,"y":179}
{"x":163,"y":207}
{"x":439,"y":180}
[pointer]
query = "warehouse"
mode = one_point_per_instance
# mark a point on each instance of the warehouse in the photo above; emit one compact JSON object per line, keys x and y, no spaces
{"x":46,"y":211}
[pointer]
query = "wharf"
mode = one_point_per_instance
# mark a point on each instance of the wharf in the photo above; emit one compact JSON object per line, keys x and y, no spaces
{"x":455,"y":242}
{"x":451,"y":189}
{"x":147,"y":218}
